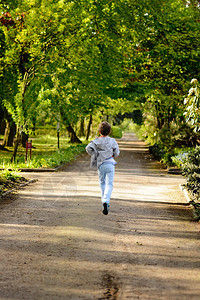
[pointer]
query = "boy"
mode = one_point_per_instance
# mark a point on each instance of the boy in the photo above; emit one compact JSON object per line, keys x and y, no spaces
{"x":102,"y":151}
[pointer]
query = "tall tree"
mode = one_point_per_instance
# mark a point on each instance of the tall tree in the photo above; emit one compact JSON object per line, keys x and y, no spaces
{"x":32,"y":43}
{"x":164,"y":56}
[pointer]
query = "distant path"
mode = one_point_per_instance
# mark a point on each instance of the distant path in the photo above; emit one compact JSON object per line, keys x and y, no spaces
{"x":56,"y":244}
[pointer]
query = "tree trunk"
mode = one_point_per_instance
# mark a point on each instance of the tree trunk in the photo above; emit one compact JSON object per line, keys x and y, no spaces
{"x":160,"y":117}
{"x":17,"y":141}
{"x":81,"y":129}
{"x":24,"y":139}
{"x":34,"y":124}
{"x":72,"y":133}
{"x":73,"y":136}
{"x":89,"y":127}
{"x":6,"y":134}
{"x":2,"y":125}
{"x":12,"y":134}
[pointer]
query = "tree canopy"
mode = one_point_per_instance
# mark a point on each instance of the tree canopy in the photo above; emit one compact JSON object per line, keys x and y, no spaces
{"x":78,"y":59}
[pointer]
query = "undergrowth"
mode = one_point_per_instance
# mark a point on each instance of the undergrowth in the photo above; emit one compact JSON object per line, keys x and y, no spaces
{"x":9,"y":180}
{"x":45,"y":160}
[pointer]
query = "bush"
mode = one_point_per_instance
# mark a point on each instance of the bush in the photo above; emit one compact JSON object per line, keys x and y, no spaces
{"x":189,"y":162}
{"x":116,"y":132}
{"x":128,"y":126}
{"x":9,"y":175}
{"x":180,"y":159}
{"x":191,"y":169}
{"x":169,"y":157}
{"x":8,"y":180}
{"x":57,"y":158}
{"x":157,"y":151}
{"x":64,"y":156}
{"x":48,"y":160}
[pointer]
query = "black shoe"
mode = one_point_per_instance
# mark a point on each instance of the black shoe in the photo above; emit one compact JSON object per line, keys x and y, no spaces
{"x":105,"y":208}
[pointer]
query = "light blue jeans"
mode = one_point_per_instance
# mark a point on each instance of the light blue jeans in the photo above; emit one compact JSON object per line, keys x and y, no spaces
{"x":106,"y":176}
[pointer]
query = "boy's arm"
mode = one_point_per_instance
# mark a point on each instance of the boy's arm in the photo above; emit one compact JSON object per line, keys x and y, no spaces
{"x":116,"y":150}
{"x":90,"y":148}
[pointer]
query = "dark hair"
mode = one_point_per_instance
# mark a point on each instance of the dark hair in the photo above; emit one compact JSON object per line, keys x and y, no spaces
{"x":105,"y":128}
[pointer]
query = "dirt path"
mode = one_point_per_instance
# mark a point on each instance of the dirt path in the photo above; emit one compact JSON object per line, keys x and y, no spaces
{"x":56,"y":244}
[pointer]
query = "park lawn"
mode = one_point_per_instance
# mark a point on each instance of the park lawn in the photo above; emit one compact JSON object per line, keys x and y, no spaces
{"x":45,"y":153}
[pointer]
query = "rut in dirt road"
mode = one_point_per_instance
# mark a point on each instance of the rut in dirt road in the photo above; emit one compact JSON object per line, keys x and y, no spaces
{"x":55,"y":242}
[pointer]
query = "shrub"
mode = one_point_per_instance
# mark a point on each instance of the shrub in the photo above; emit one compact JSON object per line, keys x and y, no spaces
{"x":157,"y":151}
{"x":116,"y":132}
{"x":8,"y":180}
{"x":180,"y":159}
{"x":48,"y":160}
{"x":191,"y":169}
{"x":9,"y":175}
{"x":128,"y":126}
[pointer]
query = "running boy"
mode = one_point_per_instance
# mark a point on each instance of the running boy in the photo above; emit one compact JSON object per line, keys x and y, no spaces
{"x":102,"y":151}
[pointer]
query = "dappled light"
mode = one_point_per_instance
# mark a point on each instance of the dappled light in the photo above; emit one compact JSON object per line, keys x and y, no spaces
{"x":66,"y":66}
{"x":58,"y":243}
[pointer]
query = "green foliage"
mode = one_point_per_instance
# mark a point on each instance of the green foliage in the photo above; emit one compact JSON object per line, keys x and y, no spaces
{"x":192,"y":106}
{"x":57,"y":158}
{"x":160,"y":127}
{"x":67,"y":60}
{"x":116,"y":132}
{"x":191,"y":169}
{"x":180,"y":159}
{"x":164,"y":58}
{"x":9,"y":175}
{"x":50,"y":159}
{"x":8,"y":180}
{"x":170,"y":157}
{"x":157,"y":151}
{"x":189,"y":161}
{"x":128,"y":126}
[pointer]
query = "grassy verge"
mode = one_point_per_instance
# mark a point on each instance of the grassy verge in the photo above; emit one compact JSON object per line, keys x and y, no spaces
{"x":44,"y":154}
{"x":9,"y":180}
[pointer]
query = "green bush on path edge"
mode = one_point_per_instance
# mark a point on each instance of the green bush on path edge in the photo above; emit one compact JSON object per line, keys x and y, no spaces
{"x":188,"y":162}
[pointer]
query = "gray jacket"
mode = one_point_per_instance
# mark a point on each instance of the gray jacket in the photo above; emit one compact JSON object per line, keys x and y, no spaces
{"x":101,"y":149}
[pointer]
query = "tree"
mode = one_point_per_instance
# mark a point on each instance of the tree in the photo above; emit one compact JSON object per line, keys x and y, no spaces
{"x":163,"y":58}
{"x":87,"y":65}
{"x":88,"y":58}
{"x":31,"y":44}
{"x":7,"y":83}
{"x":192,"y":106}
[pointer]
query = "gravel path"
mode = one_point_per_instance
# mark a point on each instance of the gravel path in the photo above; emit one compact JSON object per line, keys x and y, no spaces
{"x":55,"y":243}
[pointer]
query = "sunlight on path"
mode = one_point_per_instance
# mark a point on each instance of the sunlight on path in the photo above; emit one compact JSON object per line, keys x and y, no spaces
{"x":57,"y":244}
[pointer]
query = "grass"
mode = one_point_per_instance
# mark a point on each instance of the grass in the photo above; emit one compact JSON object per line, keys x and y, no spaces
{"x":45,"y":153}
{"x":9,"y":180}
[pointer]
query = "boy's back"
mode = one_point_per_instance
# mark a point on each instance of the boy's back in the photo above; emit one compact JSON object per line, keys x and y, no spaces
{"x":102,"y":149}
